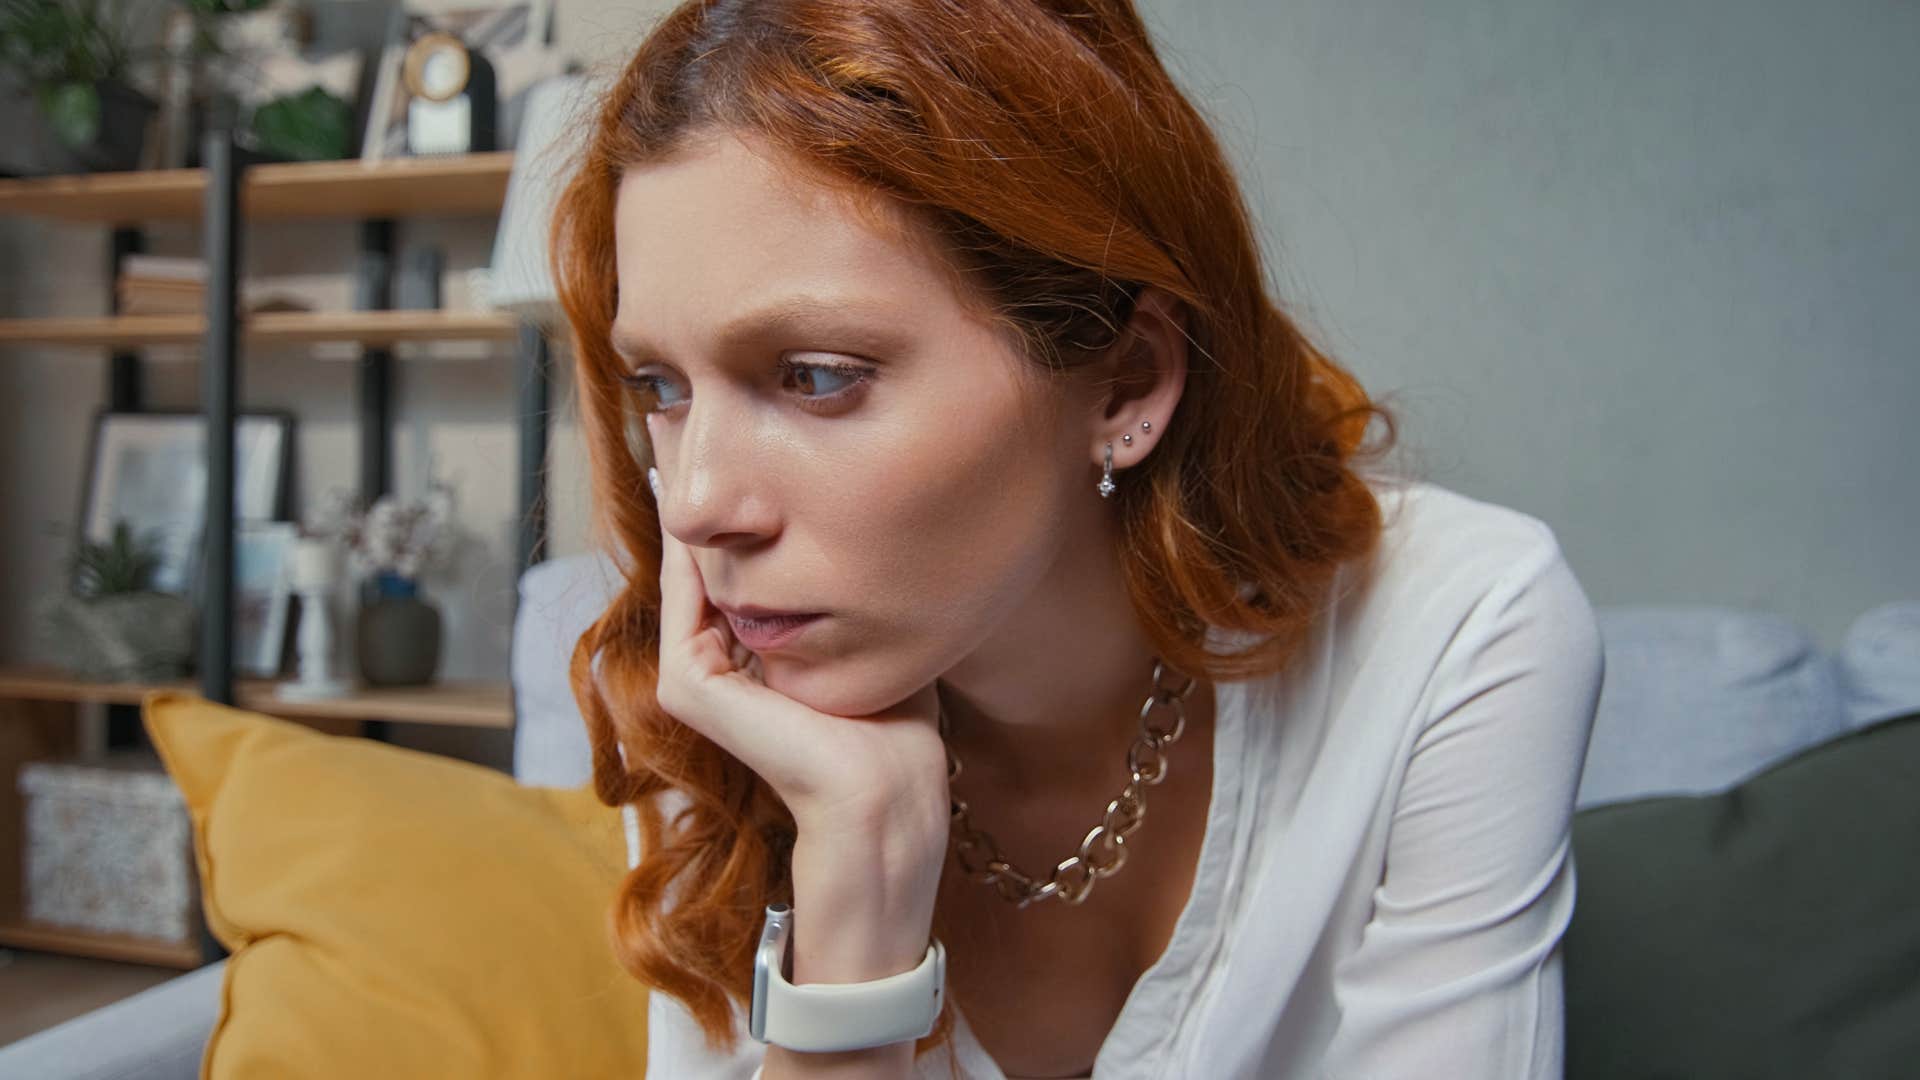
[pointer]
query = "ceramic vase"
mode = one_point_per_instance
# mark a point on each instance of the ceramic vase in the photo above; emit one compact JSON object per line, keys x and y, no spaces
{"x":397,"y":636}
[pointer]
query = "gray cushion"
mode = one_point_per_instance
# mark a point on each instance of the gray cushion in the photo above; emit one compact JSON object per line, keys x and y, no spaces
{"x":1696,"y":698}
{"x":559,"y":599}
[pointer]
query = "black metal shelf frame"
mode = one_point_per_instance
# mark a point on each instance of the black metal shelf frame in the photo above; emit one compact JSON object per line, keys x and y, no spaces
{"x":226,"y":163}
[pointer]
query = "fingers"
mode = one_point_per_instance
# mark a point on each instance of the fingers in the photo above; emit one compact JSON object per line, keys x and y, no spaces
{"x":685,"y":623}
{"x":708,"y":680}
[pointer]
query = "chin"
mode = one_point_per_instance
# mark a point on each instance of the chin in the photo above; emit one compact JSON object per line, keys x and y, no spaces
{"x":830,"y":687}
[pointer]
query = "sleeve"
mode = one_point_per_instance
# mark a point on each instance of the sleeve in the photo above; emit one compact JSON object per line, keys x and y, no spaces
{"x":1458,"y":970}
{"x":677,"y":1047}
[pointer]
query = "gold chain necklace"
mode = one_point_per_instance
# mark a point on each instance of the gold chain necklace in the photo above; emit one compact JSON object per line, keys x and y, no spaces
{"x":1104,"y":850}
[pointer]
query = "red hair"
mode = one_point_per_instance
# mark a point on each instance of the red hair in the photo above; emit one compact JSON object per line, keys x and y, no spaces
{"x":1043,"y":147}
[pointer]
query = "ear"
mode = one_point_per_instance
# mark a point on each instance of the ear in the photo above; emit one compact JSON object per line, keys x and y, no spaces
{"x":1141,"y":379}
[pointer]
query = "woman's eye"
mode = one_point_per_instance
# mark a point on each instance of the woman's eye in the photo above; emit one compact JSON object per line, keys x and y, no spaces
{"x":838,"y":379}
{"x":816,"y":385}
{"x":652,"y":389}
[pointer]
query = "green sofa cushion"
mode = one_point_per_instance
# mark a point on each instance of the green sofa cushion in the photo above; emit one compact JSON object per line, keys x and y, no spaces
{"x":1770,"y":930}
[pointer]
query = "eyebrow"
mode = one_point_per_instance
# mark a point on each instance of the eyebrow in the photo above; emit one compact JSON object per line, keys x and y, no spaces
{"x":840,"y":316}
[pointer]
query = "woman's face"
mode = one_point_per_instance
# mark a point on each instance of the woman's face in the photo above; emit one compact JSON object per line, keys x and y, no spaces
{"x":835,"y":431}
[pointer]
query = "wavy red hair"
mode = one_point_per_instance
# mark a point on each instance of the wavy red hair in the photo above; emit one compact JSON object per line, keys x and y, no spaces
{"x":1044,"y":148}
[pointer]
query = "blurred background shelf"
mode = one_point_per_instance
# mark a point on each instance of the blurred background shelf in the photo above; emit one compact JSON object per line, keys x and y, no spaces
{"x":460,"y":704}
{"x":48,"y":714}
{"x":267,"y":328}
{"x":16,"y":932}
{"x":451,"y":186}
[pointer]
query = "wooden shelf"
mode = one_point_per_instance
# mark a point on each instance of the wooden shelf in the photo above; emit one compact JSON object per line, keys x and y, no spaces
{"x":267,"y":328}
{"x":452,"y":186}
{"x":458,"y":704}
{"x":18,"y":933}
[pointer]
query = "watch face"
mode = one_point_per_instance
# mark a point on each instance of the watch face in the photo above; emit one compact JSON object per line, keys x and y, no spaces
{"x":437,"y":67}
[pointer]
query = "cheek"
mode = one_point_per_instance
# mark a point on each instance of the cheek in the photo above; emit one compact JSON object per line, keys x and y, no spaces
{"x":960,"y":511}
{"x":934,"y":542}
{"x":973,"y":532}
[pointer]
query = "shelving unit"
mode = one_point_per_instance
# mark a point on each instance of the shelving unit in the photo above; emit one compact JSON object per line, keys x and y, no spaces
{"x":18,"y":933}
{"x":471,"y":184}
{"x":459,"y":704}
{"x":266,"y":328}
{"x":37,"y":705}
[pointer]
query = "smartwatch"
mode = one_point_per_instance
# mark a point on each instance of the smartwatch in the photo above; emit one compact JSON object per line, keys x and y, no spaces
{"x":823,"y":1017}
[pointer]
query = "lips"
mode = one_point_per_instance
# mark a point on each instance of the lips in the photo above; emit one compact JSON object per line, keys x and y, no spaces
{"x":750,"y":611}
{"x":770,"y":631}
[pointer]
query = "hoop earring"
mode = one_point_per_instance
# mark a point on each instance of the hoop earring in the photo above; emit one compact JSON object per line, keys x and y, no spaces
{"x":1106,"y":478}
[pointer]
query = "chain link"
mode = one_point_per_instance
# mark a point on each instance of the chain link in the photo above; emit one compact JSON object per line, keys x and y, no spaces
{"x":1104,"y":850}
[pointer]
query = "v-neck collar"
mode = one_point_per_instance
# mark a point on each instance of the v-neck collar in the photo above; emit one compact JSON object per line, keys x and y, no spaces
{"x":1163,"y":991}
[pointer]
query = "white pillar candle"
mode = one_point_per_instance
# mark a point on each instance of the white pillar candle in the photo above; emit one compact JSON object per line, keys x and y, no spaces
{"x":314,"y":565}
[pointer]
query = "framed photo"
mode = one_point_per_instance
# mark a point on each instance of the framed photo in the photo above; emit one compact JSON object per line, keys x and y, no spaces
{"x":513,"y":35}
{"x":262,"y":552}
{"x":150,"y":470}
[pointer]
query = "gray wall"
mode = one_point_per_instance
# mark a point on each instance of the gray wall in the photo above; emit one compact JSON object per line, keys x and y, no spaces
{"x":1646,"y":271}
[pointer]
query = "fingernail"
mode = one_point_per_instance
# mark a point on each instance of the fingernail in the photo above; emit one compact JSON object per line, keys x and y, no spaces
{"x":653,"y":479}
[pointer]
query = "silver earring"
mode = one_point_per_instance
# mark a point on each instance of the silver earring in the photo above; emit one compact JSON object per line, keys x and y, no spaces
{"x":1106,"y":478}
{"x":1146,"y":425}
{"x":1128,"y":439}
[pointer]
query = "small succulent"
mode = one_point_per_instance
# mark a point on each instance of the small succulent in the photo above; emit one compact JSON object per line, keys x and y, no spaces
{"x":124,"y":564}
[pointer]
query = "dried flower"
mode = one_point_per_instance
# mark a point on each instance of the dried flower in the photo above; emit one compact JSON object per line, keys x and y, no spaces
{"x":403,"y":537}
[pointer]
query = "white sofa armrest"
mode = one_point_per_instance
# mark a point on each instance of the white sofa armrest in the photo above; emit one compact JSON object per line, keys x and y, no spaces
{"x":158,"y":1034}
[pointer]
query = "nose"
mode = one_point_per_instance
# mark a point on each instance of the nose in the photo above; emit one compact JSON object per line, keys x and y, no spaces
{"x":713,"y":481}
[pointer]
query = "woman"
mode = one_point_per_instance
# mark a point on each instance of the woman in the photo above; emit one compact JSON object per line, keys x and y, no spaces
{"x":994,"y":502}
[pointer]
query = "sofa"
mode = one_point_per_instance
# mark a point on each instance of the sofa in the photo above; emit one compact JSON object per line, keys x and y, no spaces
{"x":1695,"y":699}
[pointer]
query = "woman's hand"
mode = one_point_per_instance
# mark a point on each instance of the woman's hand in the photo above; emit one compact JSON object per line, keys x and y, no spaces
{"x":868,"y":795}
{"x":883,"y":774}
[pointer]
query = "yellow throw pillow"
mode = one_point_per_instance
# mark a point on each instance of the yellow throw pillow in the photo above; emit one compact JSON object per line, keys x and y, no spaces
{"x":393,"y":913}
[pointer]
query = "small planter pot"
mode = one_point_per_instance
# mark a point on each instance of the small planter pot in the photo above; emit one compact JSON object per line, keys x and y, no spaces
{"x":397,"y":635}
{"x":130,"y":637}
{"x":124,"y":116}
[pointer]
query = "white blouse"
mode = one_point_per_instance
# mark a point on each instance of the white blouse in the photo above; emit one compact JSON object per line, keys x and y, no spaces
{"x":1386,"y":871}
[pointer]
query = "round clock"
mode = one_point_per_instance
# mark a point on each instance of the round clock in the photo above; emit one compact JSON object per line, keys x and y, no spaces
{"x":437,"y":66}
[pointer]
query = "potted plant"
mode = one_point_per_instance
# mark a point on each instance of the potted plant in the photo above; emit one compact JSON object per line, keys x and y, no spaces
{"x":74,"y":57}
{"x":398,"y":633}
{"x":111,"y":626}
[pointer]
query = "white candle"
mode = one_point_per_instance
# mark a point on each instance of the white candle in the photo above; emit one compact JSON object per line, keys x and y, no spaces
{"x":314,"y":564}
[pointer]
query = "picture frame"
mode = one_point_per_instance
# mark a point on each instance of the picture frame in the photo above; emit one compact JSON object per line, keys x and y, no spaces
{"x":262,"y":556}
{"x":149,"y":469}
{"x":515,"y":36}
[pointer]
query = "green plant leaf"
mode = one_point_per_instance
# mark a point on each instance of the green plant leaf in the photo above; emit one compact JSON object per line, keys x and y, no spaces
{"x":72,"y":111}
{"x":310,"y":126}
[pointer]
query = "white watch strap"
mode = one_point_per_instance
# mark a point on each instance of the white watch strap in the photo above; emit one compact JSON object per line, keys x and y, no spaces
{"x":824,"y":1017}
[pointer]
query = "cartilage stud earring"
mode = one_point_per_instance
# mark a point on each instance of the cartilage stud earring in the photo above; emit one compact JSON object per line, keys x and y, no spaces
{"x":1146,"y":425}
{"x":1128,"y":439}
